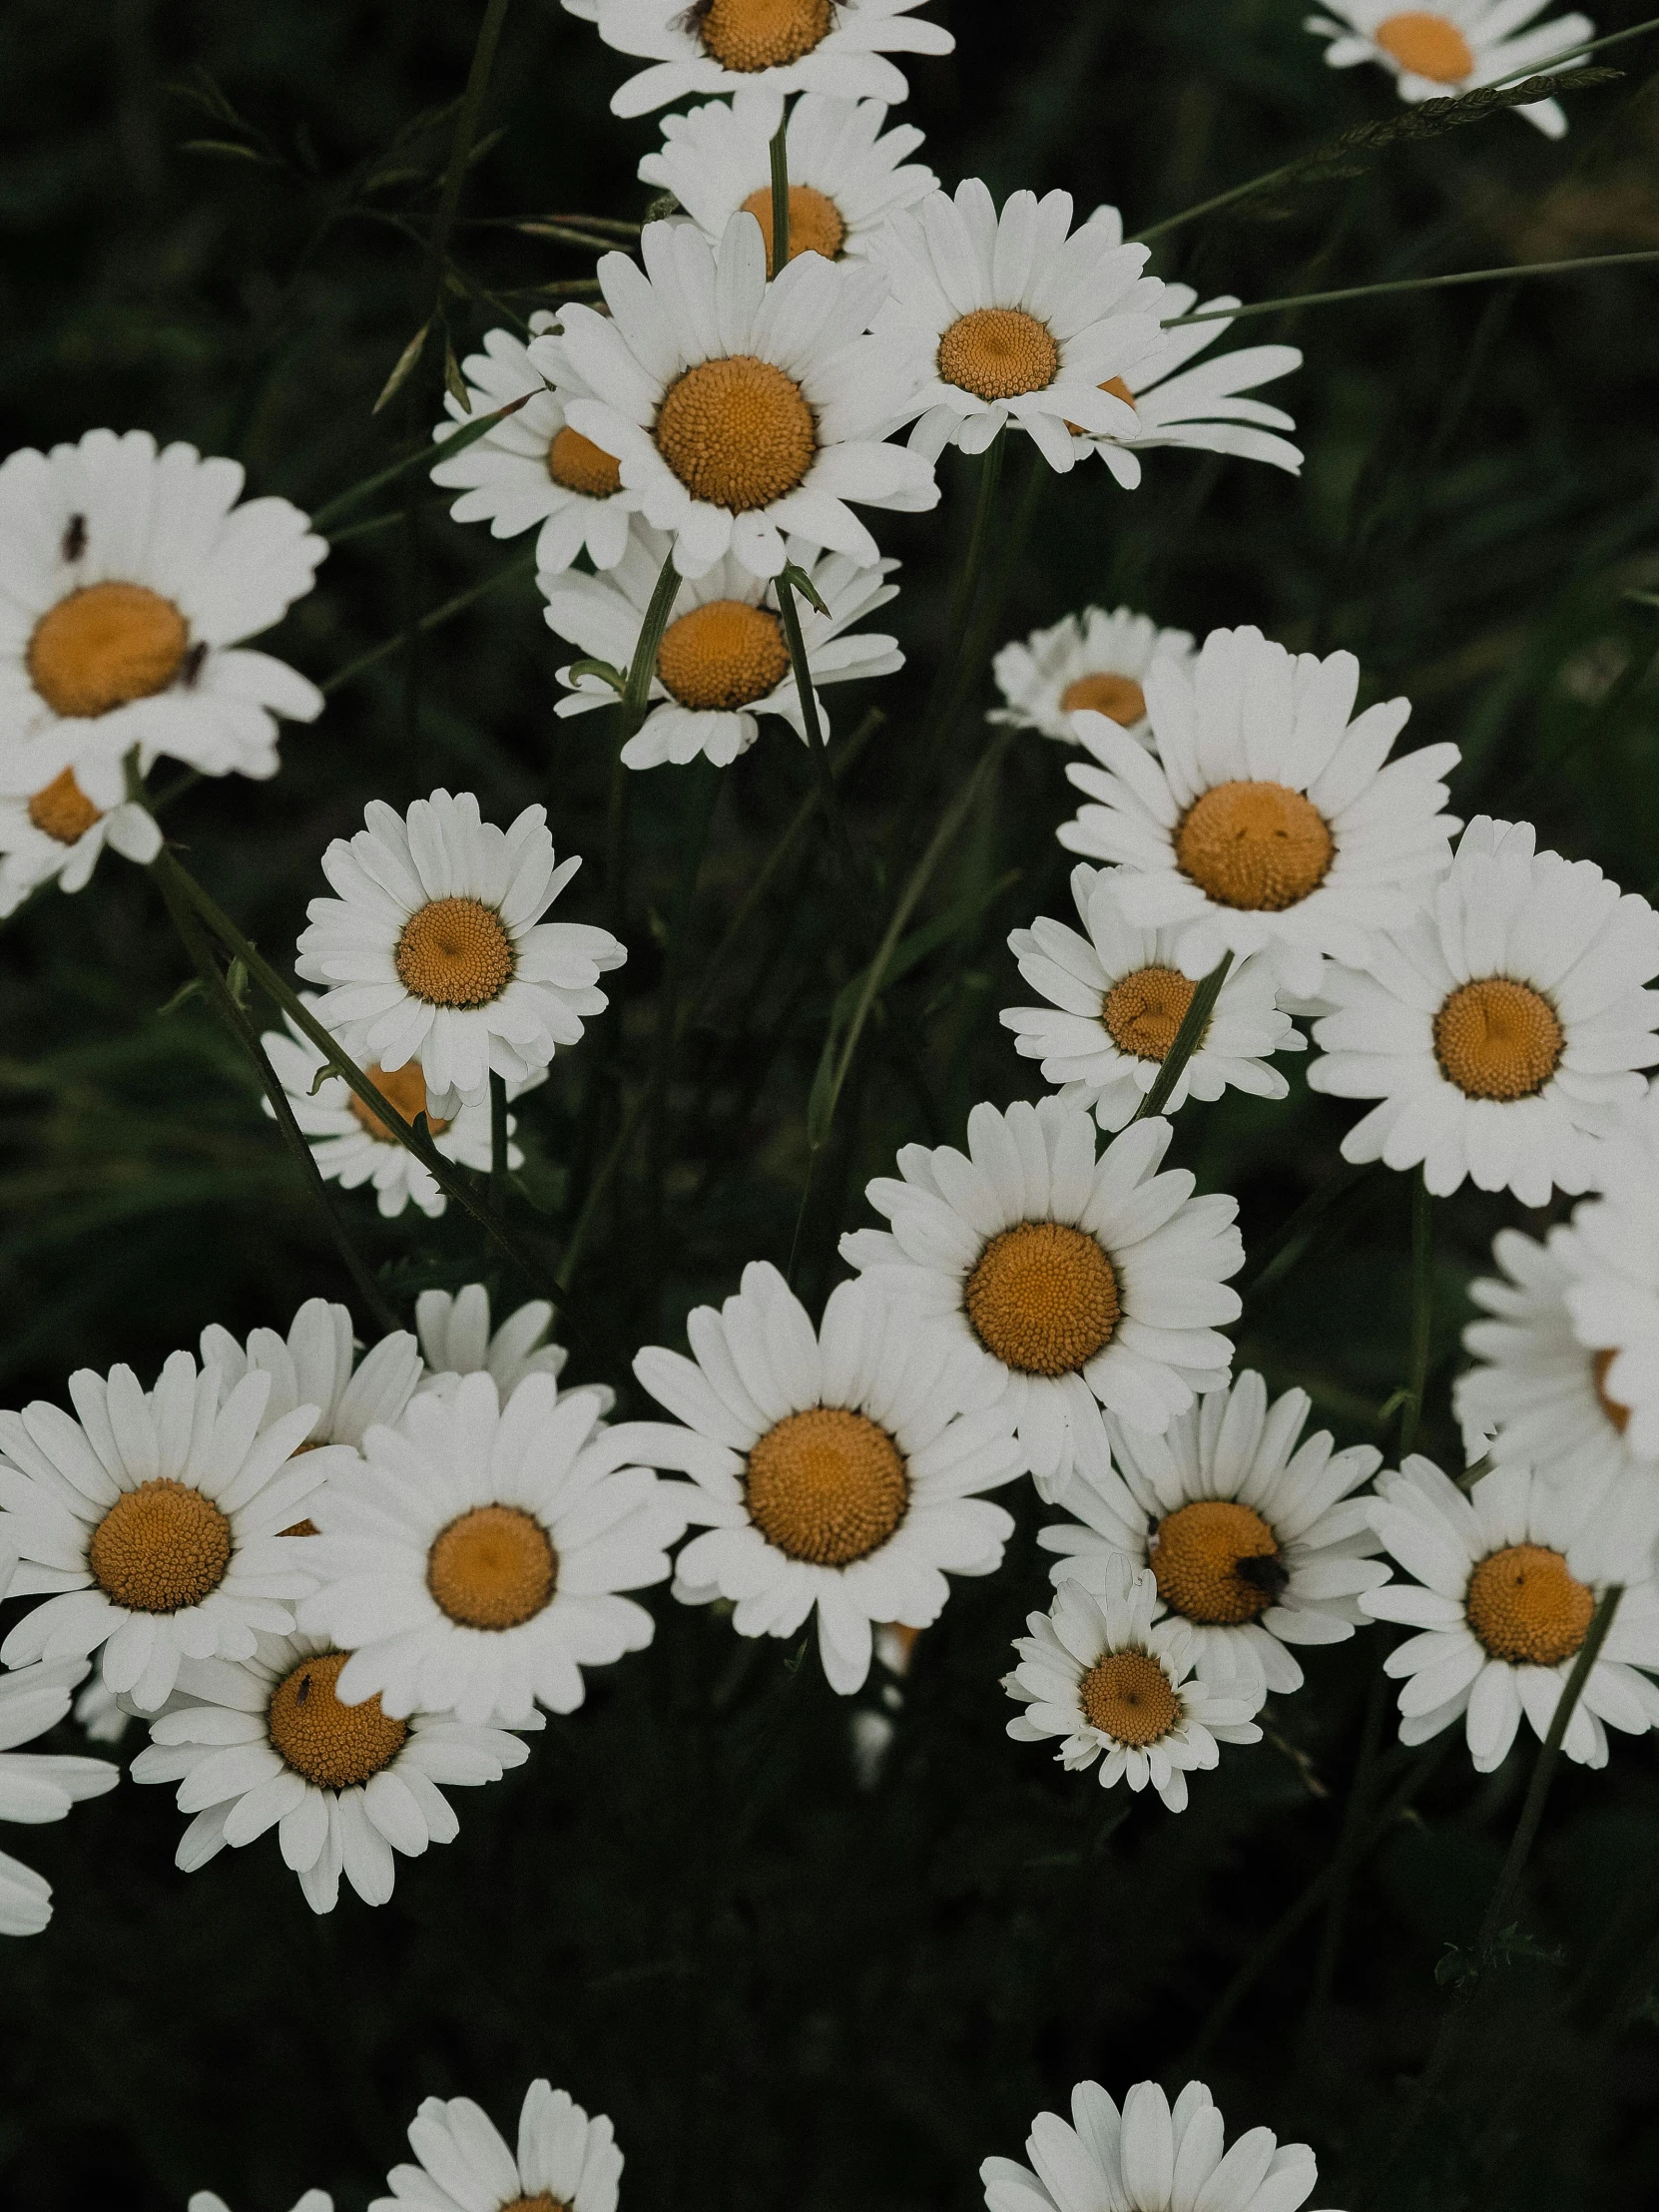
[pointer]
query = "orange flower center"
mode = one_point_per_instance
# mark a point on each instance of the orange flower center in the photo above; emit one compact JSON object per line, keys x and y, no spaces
{"x":1427,"y":46}
{"x":827,"y":1485}
{"x":494,"y":1567}
{"x":160,"y":1548}
{"x":1526,"y":1608}
{"x":1127,"y":1696}
{"x":576,"y":464}
{"x":455,"y":952}
{"x":748,"y":35}
{"x":404,"y":1088}
{"x":736,"y":432}
{"x":63,"y":810}
{"x":105,"y":646}
{"x":1044,"y":1297}
{"x":1259,"y":846}
{"x":1498,"y":1039}
{"x":1120,"y":698}
{"x":816,"y":224}
{"x":1618,"y":1414}
{"x":998,"y":352}
{"x":333,"y":1746}
{"x":724,"y":655}
{"x":1143,"y":1013}
{"x":1217,"y":1562}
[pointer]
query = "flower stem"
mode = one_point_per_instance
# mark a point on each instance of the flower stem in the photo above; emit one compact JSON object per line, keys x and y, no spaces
{"x":1413,"y":283}
{"x":1422,"y":1312}
{"x":523,"y":566}
{"x":498,"y":1143}
{"x":1194,"y":1022}
{"x":430,"y":449}
{"x":629,"y":713}
{"x":780,"y":193}
{"x":834,"y":820}
{"x":466,"y":132}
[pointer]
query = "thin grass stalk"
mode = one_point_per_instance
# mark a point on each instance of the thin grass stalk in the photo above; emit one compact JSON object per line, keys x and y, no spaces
{"x":466,"y":132}
{"x":1413,"y":283}
{"x":711,"y":782}
{"x":430,"y":449}
{"x":834,"y":820}
{"x":628,"y":714}
{"x":498,"y":1144}
{"x":779,"y":151}
{"x":1194,"y":1022}
{"x":523,"y":566}
{"x":1422,"y":1312}
{"x":1361,"y":1789}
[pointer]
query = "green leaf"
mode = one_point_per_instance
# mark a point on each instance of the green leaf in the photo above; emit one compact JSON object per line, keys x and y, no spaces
{"x":603,"y":670}
{"x":230,"y":147}
{"x":799,"y":581}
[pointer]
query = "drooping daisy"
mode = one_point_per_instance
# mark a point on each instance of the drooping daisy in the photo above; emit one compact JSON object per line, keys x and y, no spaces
{"x":1453,"y":48}
{"x":455,"y":1335}
{"x":38,"y":1786}
{"x":472,"y":1562}
{"x":1152,"y":2158}
{"x":845,"y":176}
{"x":1006,"y":319}
{"x":1509,"y":1581}
{"x":724,"y":660}
{"x":153,"y":1523}
{"x":1141,"y":1696}
{"x":313,"y":2200}
{"x":132,"y":576}
{"x":1117,"y":1004}
{"x":316,"y":1364}
{"x":839,"y":1468}
{"x":741,"y":409}
{"x":1263,"y":820}
{"x":435,"y":948}
{"x":56,"y":831}
{"x":1094,"y":660}
{"x":1071,"y":1279}
{"x":1611,"y":1252}
{"x":564,"y":2160}
{"x":533,"y":467}
{"x":1501,"y":1025}
{"x":266,"y":1743}
{"x":832,"y":46}
{"x":1256,"y":1542}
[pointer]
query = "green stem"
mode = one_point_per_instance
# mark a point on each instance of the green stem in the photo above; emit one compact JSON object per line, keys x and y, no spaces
{"x":498,"y":1143}
{"x":432,"y":449}
{"x":1194,"y":1022}
{"x":1359,"y":1791}
{"x":523,"y":566}
{"x":1290,"y":1241}
{"x":1422,"y":1312}
{"x":834,"y":820}
{"x":780,"y":193}
{"x":467,"y":130}
{"x":1412,"y":283}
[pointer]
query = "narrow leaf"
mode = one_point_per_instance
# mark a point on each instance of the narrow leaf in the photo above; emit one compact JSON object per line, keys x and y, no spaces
{"x":405,"y":365}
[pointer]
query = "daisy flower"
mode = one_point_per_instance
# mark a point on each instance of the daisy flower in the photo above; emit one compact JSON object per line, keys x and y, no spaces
{"x":1117,"y":1003}
{"x":132,"y":576}
{"x":846,"y":178}
{"x":724,"y":660}
{"x":1501,"y":1025}
{"x":153,"y":1525}
{"x":1006,"y":319}
{"x":838,"y":1467}
{"x":313,"y":2200}
{"x":316,"y":1364}
{"x":1094,"y":660}
{"x":455,"y":1335}
{"x":267,"y":1743}
{"x":1256,"y":1542}
{"x":563,"y":2159}
{"x":37,"y":1786}
{"x":1263,"y":820}
{"x":1072,"y":1279}
{"x":1151,"y":2158}
{"x":1141,"y":1696}
{"x":533,"y":467}
{"x":741,"y":409}
{"x":1507,"y":1582}
{"x":435,"y":948}
{"x":56,"y":831}
{"x":1611,"y":1252}
{"x":833,"y":46}
{"x":1455,"y":48}
{"x":472,"y":1562}
{"x":350,"y":1143}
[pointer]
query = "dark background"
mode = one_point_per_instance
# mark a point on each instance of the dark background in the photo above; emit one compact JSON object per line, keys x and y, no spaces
{"x":785,"y":1990}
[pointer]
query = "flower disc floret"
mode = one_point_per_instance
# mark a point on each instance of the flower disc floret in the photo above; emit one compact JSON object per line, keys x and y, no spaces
{"x":1042,"y":1298}
{"x":576,"y":464}
{"x":816,"y":224}
{"x":998,"y":352}
{"x":1426,"y":45}
{"x":62,"y":810}
{"x":105,"y":646}
{"x":749,"y":35}
{"x":827,"y":1485}
{"x":1217,"y":1562}
{"x":1143,"y":1011}
{"x":738,"y":432}
{"x":455,"y":952}
{"x":722,"y":655}
{"x":1255,"y":846}
{"x":160,"y":1548}
{"x":1127,"y":1695}
{"x":1119,"y":697}
{"x":493,"y":1568}
{"x":335,"y":1746}
{"x":1498,"y":1039}
{"x":1526,"y":1607}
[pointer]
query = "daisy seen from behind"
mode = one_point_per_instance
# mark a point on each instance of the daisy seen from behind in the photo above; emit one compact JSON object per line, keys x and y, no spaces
{"x":56,"y":831}
{"x":1117,"y":1002}
{"x":456,"y":1338}
{"x":38,"y":1786}
{"x":1611,"y":1252}
{"x":1453,"y":48}
{"x":1115,"y":1685}
{"x":435,"y":948}
{"x":562,"y":2159}
{"x":1094,"y":660}
{"x":1501,"y":1025}
{"x":316,"y":1364}
{"x":838,"y":1469}
{"x":1263,"y":820}
{"x":313,"y":2200}
{"x":832,"y":46}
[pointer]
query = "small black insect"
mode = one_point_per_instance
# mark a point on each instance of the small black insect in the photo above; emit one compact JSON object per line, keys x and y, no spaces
{"x":74,"y":539}
{"x":1263,"y":1571}
{"x":189,"y":674}
{"x":303,"y":1691}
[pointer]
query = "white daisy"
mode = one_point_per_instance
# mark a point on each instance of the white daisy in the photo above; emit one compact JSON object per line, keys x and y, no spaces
{"x":266,"y":1743}
{"x":351,"y":1145}
{"x":533,"y":467}
{"x":724,"y":660}
{"x":1509,"y":1579}
{"x":1006,"y":319}
{"x":55,"y":831}
{"x":473,"y":1561}
{"x":1501,"y":1025}
{"x":1141,"y":1696}
{"x":1263,"y":820}
{"x":1255,"y":1542}
{"x":839,"y":1468}
{"x":435,"y":948}
{"x":38,"y":1786}
{"x":1455,"y":46}
{"x":1094,"y":660}
{"x":1071,"y":1279}
{"x":455,"y":1335}
{"x":1611,"y":1252}
{"x":313,"y":2200}
{"x":1117,"y":1003}
{"x":564,"y":2160}
{"x":153,"y":1523}
{"x":1154,"y":2158}
{"x":833,"y":46}
{"x":131,"y":578}
{"x":846,"y":178}
{"x":741,"y":409}
{"x":316,"y":1364}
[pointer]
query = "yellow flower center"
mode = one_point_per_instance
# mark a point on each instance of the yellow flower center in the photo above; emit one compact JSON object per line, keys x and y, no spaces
{"x":160,"y":1548}
{"x":542,"y":2201}
{"x":1143,"y":1013}
{"x":1044,"y":1297}
{"x":333,"y":1746}
{"x":1119,"y":697}
{"x":494,"y":1567}
{"x":1217,"y":1562}
{"x":455,"y":952}
{"x":1618,"y":1414}
{"x":998,"y":352}
{"x":724,"y":655}
{"x":736,"y":432}
{"x":1497,"y":1039}
{"x":827,"y":1485}
{"x":816,"y":224}
{"x":1259,"y":846}
{"x":748,"y":35}
{"x":1427,"y":46}
{"x":105,"y":646}
{"x":576,"y":464}
{"x":1127,"y":1696}
{"x":404,"y":1088}
{"x":1526,"y":1608}
{"x":63,"y":810}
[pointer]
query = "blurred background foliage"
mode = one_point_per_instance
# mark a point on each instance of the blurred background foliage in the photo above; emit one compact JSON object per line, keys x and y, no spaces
{"x":788,"y":1988}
